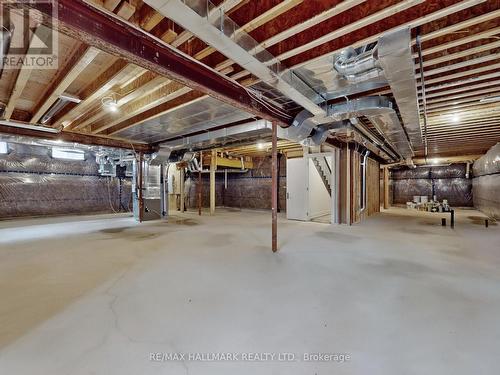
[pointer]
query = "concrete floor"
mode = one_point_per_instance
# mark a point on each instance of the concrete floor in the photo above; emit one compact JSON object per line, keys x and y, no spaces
{"x":399,"y":294}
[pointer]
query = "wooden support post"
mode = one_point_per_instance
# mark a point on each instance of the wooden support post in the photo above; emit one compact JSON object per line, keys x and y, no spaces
{"x":213,"y":167}
{"x":200,"y":183}
{"x":274,"y":193}
{"x":183,"y":193}
{"x":139,"y":188}
{"x":386,"y":189}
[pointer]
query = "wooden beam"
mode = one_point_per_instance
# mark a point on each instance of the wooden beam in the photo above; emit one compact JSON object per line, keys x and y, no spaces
{"x":477,"y":93}
{"x":461,"y":25}
{"x":141,"y":86}
{"x":85,"y":139}
{"x":233,"y":163}
{"x":226,"y":6}
{"x":272,"y":13}
{"x":462,"y":64}
{"x":111,"y":4}
{"x":105,"y":82}
{"x":98,"y":2}
{"x":157,"y":94}
{"x":126,"y":10}
{"x":70,"y":73}
{"x":457,"y":42}
{"x":291,"y":31}
{"x":255,"y":23}
{"x":457,"y":55}
{"x":176,"y":100}
{"x":298,"y":60}
{"x":150,"y":18}
{"x":386,"y":189}
{"x":361,"y":23}
{"x":119,"y":38}
{"x":24,"y":74}
{"x":183,"y":189}
{"x":169,"y":36}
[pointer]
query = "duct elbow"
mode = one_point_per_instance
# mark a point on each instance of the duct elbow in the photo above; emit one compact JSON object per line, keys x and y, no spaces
{"x":355,"y":67}
{"x":302,"y":127}
{"x":410,"y":163}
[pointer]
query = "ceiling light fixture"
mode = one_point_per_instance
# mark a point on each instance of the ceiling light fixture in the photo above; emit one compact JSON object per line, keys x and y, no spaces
{"x":455,"y":118}
{"x":110,"y":103}
{"x":3,"y":148}
{"x":261,"y":145}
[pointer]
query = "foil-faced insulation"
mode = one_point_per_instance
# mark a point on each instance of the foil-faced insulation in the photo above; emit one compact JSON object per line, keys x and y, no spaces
{"x":34,"y":184}
{"x":486,"y":183}
{"x":445,"y":182}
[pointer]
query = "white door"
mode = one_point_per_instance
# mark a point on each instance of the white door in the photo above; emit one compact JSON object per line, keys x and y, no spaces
{"x":297,"y":174}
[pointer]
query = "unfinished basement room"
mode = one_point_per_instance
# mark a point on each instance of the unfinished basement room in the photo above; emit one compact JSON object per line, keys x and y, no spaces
{"x":249,"y":187}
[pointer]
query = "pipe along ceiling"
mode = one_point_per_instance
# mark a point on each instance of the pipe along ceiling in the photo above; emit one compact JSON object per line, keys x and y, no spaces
{"x":386,"y":63}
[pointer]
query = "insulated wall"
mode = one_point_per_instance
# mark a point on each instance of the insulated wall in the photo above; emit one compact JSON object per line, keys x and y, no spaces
{"x":446,"y":182}
{"x":34,"y":184}
{"x":251,"y":189}
{"x":486,"y":183}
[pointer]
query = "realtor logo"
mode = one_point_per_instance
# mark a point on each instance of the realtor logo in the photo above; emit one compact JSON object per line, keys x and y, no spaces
{"x":27,"y":40}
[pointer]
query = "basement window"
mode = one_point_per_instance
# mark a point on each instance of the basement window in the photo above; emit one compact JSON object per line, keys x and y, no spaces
{"x":69,"y":154}
{"x":3,"y":148}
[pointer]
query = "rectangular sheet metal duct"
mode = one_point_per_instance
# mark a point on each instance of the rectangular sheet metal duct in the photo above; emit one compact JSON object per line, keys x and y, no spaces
{"x":108,"y":32}
{"x":220,"y":32}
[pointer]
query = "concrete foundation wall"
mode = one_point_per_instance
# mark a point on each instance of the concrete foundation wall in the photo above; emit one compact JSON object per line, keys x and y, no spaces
{"x":446,"y":182}
{"x":487,"y":195}
{"x":486,"y":183}
{"x":244,"y":190}
{"x":34,"y":184}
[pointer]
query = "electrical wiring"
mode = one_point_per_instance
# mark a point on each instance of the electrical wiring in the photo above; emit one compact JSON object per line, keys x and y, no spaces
{"x":262,"y":101}
{"x":109,"y":180}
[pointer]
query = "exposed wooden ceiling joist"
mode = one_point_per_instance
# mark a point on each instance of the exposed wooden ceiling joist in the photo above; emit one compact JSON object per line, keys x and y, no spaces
{"x":24,"y":74}
{"x":103,"y":84}
{"x":73,"y":69}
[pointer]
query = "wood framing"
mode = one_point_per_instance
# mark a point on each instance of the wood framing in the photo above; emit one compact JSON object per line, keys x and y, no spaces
{"x":73,"y":69}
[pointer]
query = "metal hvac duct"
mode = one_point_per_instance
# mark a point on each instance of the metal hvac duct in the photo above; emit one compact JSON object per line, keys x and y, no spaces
{"x":161,"y":157}
{"x":392,"y":60}
{"x":378,"y":109}
{"x":220,"y":136}
{"x":395,"y":58}
{"x":220,"y":32}
{"x":60,"y":104}
{"x":5,"y":39}
{"x":358,"y":67}
{"x":382,"y":114}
